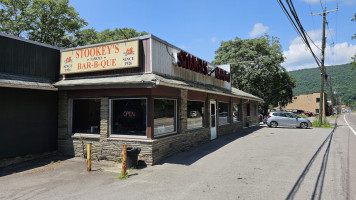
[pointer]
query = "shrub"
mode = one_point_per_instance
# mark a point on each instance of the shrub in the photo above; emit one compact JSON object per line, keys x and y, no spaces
{"x":317,"y":123}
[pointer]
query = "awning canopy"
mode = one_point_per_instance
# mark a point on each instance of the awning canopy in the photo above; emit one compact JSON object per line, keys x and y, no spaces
{"x":25,"y":82}
{"x":147,"y":80}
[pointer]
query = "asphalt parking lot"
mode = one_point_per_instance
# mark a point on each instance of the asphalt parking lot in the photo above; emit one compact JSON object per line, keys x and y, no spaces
{"x":262,"y":163}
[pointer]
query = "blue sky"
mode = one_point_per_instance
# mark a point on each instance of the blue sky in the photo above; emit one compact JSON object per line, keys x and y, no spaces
{"x":199,"y":26}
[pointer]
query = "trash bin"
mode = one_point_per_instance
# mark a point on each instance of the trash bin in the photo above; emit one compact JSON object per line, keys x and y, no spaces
{"x":132,"y":157}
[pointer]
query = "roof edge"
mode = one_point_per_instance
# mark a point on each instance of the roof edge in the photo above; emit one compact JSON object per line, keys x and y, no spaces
{"x":29,"y":41}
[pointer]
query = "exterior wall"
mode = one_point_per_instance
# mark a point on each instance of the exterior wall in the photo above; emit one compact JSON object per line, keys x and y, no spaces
{"x":28,"y":122}
{"x":28,"y":58}
{"x":153,"y":150}
{"x":252,"y":119}
{"x":306,"y":102}
{"x":163,"y":57}
{"x":28,"y":116}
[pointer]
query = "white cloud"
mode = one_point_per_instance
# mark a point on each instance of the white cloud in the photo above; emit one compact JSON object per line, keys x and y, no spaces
{"x":213,"y":39}
{"x":299,"y":57}
{"x":258,"y":29}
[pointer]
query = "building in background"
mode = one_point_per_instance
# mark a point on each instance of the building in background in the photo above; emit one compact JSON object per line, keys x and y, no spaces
{"x":146,"y":93}
{"x":28,"y":103}
{"x":309,"y":103}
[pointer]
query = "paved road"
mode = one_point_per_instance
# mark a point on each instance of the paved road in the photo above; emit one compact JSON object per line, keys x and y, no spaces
{"x":345,"y":140}
{"x":266,"y":163}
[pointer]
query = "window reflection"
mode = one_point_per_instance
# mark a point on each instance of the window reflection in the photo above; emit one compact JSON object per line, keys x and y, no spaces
{"x":195,"y":114}
{"x":235,"y":110}
{"x":164,"y":117}
{"x":223,"y":113}
{"x":86,"y":116}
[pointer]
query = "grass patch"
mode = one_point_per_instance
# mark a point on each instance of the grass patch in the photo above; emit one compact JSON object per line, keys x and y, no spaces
{"x":123,"y":176}
{"x":118,"y":160}
{"x":325,"y":124}
{"x":304,"y":116}
{"x":126,"y":175}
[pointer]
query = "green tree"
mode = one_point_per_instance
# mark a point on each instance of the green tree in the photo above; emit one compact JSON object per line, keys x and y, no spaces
{"x":14,"y":17}
{"x":91,"y":36}
{"x":52,"y":22}
{"x":353,"y":63}
{"x":256,"y":68}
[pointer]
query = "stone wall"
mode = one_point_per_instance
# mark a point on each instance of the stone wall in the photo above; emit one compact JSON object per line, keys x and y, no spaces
{"x":152,"y":150}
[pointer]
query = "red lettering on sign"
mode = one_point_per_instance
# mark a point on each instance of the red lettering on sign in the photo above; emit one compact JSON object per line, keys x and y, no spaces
{"x":193,"y":63}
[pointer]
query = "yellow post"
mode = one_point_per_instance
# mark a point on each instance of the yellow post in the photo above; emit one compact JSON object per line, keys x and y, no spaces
{"x":124,"y":153}
{"x":89,"y":157}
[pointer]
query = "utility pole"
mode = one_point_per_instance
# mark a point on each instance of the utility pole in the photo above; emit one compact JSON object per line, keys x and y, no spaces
{"x":322,"y":73}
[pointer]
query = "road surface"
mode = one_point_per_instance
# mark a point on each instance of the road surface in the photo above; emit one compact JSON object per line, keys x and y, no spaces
{"x":265,"y":163}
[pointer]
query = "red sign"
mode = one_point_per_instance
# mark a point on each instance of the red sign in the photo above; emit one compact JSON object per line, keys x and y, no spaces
{"x":190,"y":62}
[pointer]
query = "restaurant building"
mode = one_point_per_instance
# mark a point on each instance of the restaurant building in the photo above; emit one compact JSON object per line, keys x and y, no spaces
{"x":146,"y":93}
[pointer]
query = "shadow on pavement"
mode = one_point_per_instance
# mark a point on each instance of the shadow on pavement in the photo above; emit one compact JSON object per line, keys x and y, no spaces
{"x":195,"y":153}
{"x":31,"y":164}
{"x":318,"y":188}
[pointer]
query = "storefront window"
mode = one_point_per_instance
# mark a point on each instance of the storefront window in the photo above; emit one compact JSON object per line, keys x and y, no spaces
{"x":86,"y":116}
{"x":235,"y":110}
{"x":129,"y":117}
{"x":165,"y":116}
{"x":223,"y":113}
{"x":195,"y":114}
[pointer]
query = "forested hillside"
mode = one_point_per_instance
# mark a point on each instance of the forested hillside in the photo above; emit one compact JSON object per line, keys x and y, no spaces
{"x":343,"y":79}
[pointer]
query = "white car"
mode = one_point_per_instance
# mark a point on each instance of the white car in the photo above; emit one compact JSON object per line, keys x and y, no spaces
{"x":275,"y":119}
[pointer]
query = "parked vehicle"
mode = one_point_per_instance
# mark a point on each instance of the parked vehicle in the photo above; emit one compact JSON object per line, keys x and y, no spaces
{"x":235,"y":116}
{"x":194,"y":114}
{"x":309,"y":114}
{"x":260,"y":118}
{"x":275,"y":119}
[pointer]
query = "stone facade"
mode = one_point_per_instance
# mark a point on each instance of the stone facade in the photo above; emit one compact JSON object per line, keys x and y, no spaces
{"x":153,"y":150}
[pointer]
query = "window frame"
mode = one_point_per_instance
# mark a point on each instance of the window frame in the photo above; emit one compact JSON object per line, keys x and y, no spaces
{"x":204,"y":123}
{"x":176,"y":119}
{"x":111,"y":118}
{"x":70,"y":118}
{"x":228,"y":113}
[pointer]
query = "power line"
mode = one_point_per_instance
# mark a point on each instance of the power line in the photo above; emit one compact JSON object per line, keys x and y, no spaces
{"x":296,"y":24}
{"x":294,"y":20}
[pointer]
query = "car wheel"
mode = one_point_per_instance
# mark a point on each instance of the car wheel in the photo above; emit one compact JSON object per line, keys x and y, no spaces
{"x":303,"y":125}
{"x":274,"y":124}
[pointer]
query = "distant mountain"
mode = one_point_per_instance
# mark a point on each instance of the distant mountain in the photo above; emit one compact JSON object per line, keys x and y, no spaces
{"x":343,"y":79}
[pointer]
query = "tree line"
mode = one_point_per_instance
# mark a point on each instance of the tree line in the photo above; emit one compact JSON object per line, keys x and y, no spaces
{"x":343,"y":80}
{"x":54,"y":22}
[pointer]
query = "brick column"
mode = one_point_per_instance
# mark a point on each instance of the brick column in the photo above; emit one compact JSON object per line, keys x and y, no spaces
{"x":182,"y":111}
{"x":243,"y":112}
{"x":62,"y":115}
{"x":104,"y":118}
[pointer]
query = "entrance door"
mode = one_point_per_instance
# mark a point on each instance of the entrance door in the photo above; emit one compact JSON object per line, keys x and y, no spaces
{"x":212,"y":120}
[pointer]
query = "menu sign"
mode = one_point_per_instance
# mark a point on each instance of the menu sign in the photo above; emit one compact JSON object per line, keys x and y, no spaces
{"x":105,"y":57}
